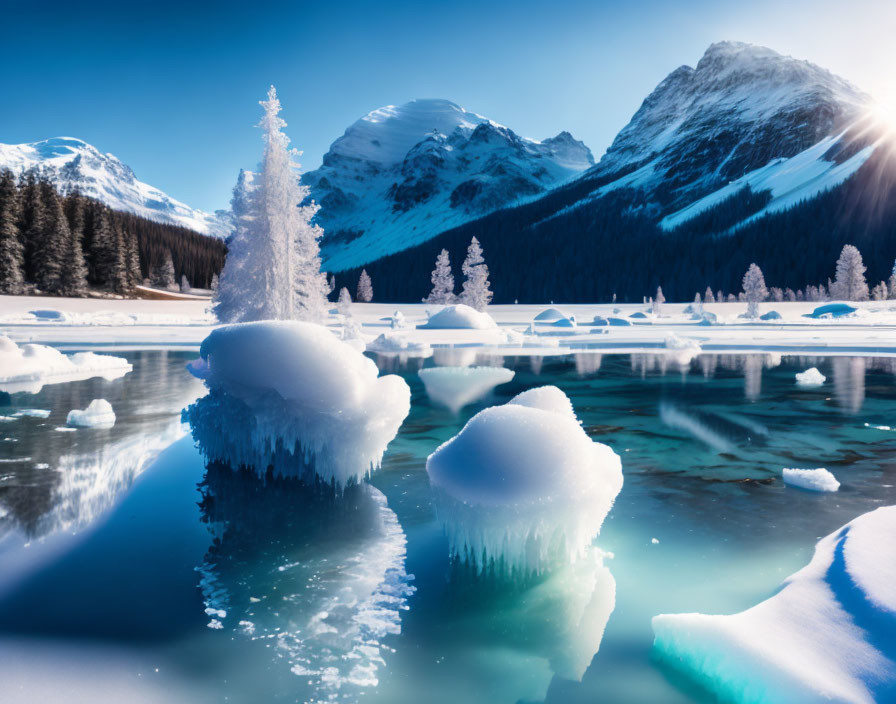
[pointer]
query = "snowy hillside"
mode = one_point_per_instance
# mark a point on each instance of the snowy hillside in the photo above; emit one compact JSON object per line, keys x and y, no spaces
{"x":72,"y":163}
{"x":400,"y":175}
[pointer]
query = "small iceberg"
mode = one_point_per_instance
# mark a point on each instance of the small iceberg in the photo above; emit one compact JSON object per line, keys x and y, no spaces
{"x":810,"y":377}
{"x":290,"y":396}
{"x":826,"y":636}
{"x":459,"y":316}
{"x":811,"y":479}
{"x":98,"y":414}
{"x":522,"y":486}
{"x":456,"y":387}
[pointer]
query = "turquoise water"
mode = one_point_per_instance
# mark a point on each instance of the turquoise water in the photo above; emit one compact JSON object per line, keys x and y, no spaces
{"x":191,"y":583}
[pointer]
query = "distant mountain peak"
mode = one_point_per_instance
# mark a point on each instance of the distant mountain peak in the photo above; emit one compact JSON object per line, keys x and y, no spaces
{"x":71,"y":163}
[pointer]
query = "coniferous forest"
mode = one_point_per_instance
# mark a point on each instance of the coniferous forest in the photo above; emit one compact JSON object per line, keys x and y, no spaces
{"x":69,"y":245}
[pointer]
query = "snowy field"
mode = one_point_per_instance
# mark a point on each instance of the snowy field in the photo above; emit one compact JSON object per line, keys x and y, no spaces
{"x":135,"y":324}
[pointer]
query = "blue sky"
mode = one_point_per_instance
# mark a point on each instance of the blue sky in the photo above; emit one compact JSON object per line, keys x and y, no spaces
{"x":172,"y":88}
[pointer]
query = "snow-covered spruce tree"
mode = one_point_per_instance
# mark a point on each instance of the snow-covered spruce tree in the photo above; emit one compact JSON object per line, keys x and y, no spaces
{"x":272,"y":270}
{"x":850,"y":284}
{"x":754,"y":290}
{"x":12,"y":253}
{"x":184,"y":284}
{"x":789,"y":295}
{"x":132,"y":259}
{"x":476,"y":290}
{"x":442,"y":281}
{"x":344,"y":304}
{"x":214,"y":284}
{"x":879,"y":292}
{"x":365,"y":288}
{"x":73,"y":276}
{"x":708,"y":297}
{"x":891,"y":288}
{"x":657,"y":303}
{"x":776,"y":294}
{"x":163,"y":273}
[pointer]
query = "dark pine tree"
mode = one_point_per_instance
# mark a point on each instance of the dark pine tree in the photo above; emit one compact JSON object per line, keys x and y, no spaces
{"x":12,"y":253}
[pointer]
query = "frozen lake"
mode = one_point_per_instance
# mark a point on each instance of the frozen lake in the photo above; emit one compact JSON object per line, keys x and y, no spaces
{"x":126,"y":576}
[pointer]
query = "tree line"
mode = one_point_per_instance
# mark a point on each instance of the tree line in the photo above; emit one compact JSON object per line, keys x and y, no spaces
{"x":68,"y":244}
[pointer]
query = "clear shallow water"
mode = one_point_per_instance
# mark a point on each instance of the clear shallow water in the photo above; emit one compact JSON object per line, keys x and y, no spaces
{"x":136,"y":569}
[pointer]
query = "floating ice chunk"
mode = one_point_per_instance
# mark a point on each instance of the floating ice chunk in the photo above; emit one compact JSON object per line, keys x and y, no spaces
{"x":812,"y":479}
{"x":549,"y":315}
{"x":399,"y":343}
{"x":459,"y":316}
{"x":290,"y":395}
{"x":810,"y":377}
{"x":618,"y":322}
{"x":28,"y":367}
{"x":771,"y":315}
{"x":827,"y":635}
{"x":98,"y":414}
{"x":547,"y":398}
{"x":522,"y":484}
{"x":32,"y":413}
{"x":455,"y":387}
{"x":397,"y":320}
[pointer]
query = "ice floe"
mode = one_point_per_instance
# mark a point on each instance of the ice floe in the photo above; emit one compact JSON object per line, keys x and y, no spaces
{"x":812,"y":479}
{"x":98,"y":414}
{"x":810,"y":377}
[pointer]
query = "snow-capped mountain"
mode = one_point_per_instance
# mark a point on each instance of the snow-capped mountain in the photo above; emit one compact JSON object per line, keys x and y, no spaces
{"x":73,"y":164}
{"x":400,"y":175}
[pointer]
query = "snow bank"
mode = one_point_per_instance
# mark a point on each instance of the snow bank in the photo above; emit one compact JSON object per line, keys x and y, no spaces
{"x":827,"y":635}
{"x":522,"y":484}
{"x":810,"y":377}
{"x":812,"y":479}
{"x":399,"y":343}
{"x":28,"y":367}
{"x":569,"y":322}
{"x":292,"y":396}
{"x":459,"y":316}
{"x":618,"y":322}
{"x":455,"y":387}
{"x":549,"y":315}
{"x":98,"y":414}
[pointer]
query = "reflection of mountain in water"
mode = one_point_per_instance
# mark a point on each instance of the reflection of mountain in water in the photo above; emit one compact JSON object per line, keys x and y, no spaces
{"x":66,"y":480}
{"x":317,"y":577}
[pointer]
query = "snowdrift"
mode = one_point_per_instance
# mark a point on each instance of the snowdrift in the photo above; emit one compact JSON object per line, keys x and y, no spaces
{"x":459,"y":316}
{"x":290,"y":395}
{"x":455,"y":387}
{"x":98,"y":414}
{"x":811,"y":479}
{"x":828,"y":635}
{"x":523,"y":485}
{"x":28,"y":367}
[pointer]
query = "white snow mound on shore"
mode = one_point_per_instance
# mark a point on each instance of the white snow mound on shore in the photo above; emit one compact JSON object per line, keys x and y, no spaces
{"x":455,"y":387}
{"x":28,"y":367}
{"x":459,"y":316}
{"x":522,"y":484}
{"x":812,"y":479}
{"x":826,"y":636}
{"x":98,"y":414}
{"x":810,"y":377}
{"x":290,"y":395}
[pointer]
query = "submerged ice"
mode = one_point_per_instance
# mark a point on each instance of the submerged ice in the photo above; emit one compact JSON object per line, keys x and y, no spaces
{"x":523,"y":485}
{"x":292,"y":396}
{"x":827,"y":635}
{"x":456,"y":387}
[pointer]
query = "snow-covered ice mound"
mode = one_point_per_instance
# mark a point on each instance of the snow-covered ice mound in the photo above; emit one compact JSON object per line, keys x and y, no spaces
{"x":523,"y":485}
{"x":549,"y":315}
{"x":322,"y":580}
{"x":569,"y":322}
{"x":400,"y":344}
{"x":618,"y":322}
{"x":292,"y":396}
{"x":28,"y":367}
{"x":832,"y":310}
{"x":771,"y":315}
{"x":810,"y":377}
{"x":455,"y":387}
{"x":681,"y":349}
{"x":829,"y":635}
{"x":812,"y":479}
{"x":459,"y":316}
{"x":98,"y":414}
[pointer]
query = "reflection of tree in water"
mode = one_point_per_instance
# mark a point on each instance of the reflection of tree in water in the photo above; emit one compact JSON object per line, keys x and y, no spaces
{"x":70,"y":478}
{"x":849,"y":382}
{"x":316,"y":576}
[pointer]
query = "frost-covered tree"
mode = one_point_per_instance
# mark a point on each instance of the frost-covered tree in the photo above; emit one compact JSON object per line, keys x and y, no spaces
{"x":214,"y":284}
{"x":12,"y":253}
{"x":132,"y":259}
{"x":344,"y":304}
{"x":891,"y":288}
{"x":708,"y":297}
{"x":732,"y":298}
{"x":776,"y":294}
{"x":184,"y":284}
{"x":331,"y":284}
{"x":719,"y":297}
{"x":657,"y":303}
{"x":476,"y":290}
{"x":365,"y":288}
{"x":272,"y":270}
{"x":442,"y":281}
{"x":850,"y":284}
{"x":163,"y":274}
{"x":789,"y":295}
{"x":754,"y":290}
{"x":879,"y":292}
